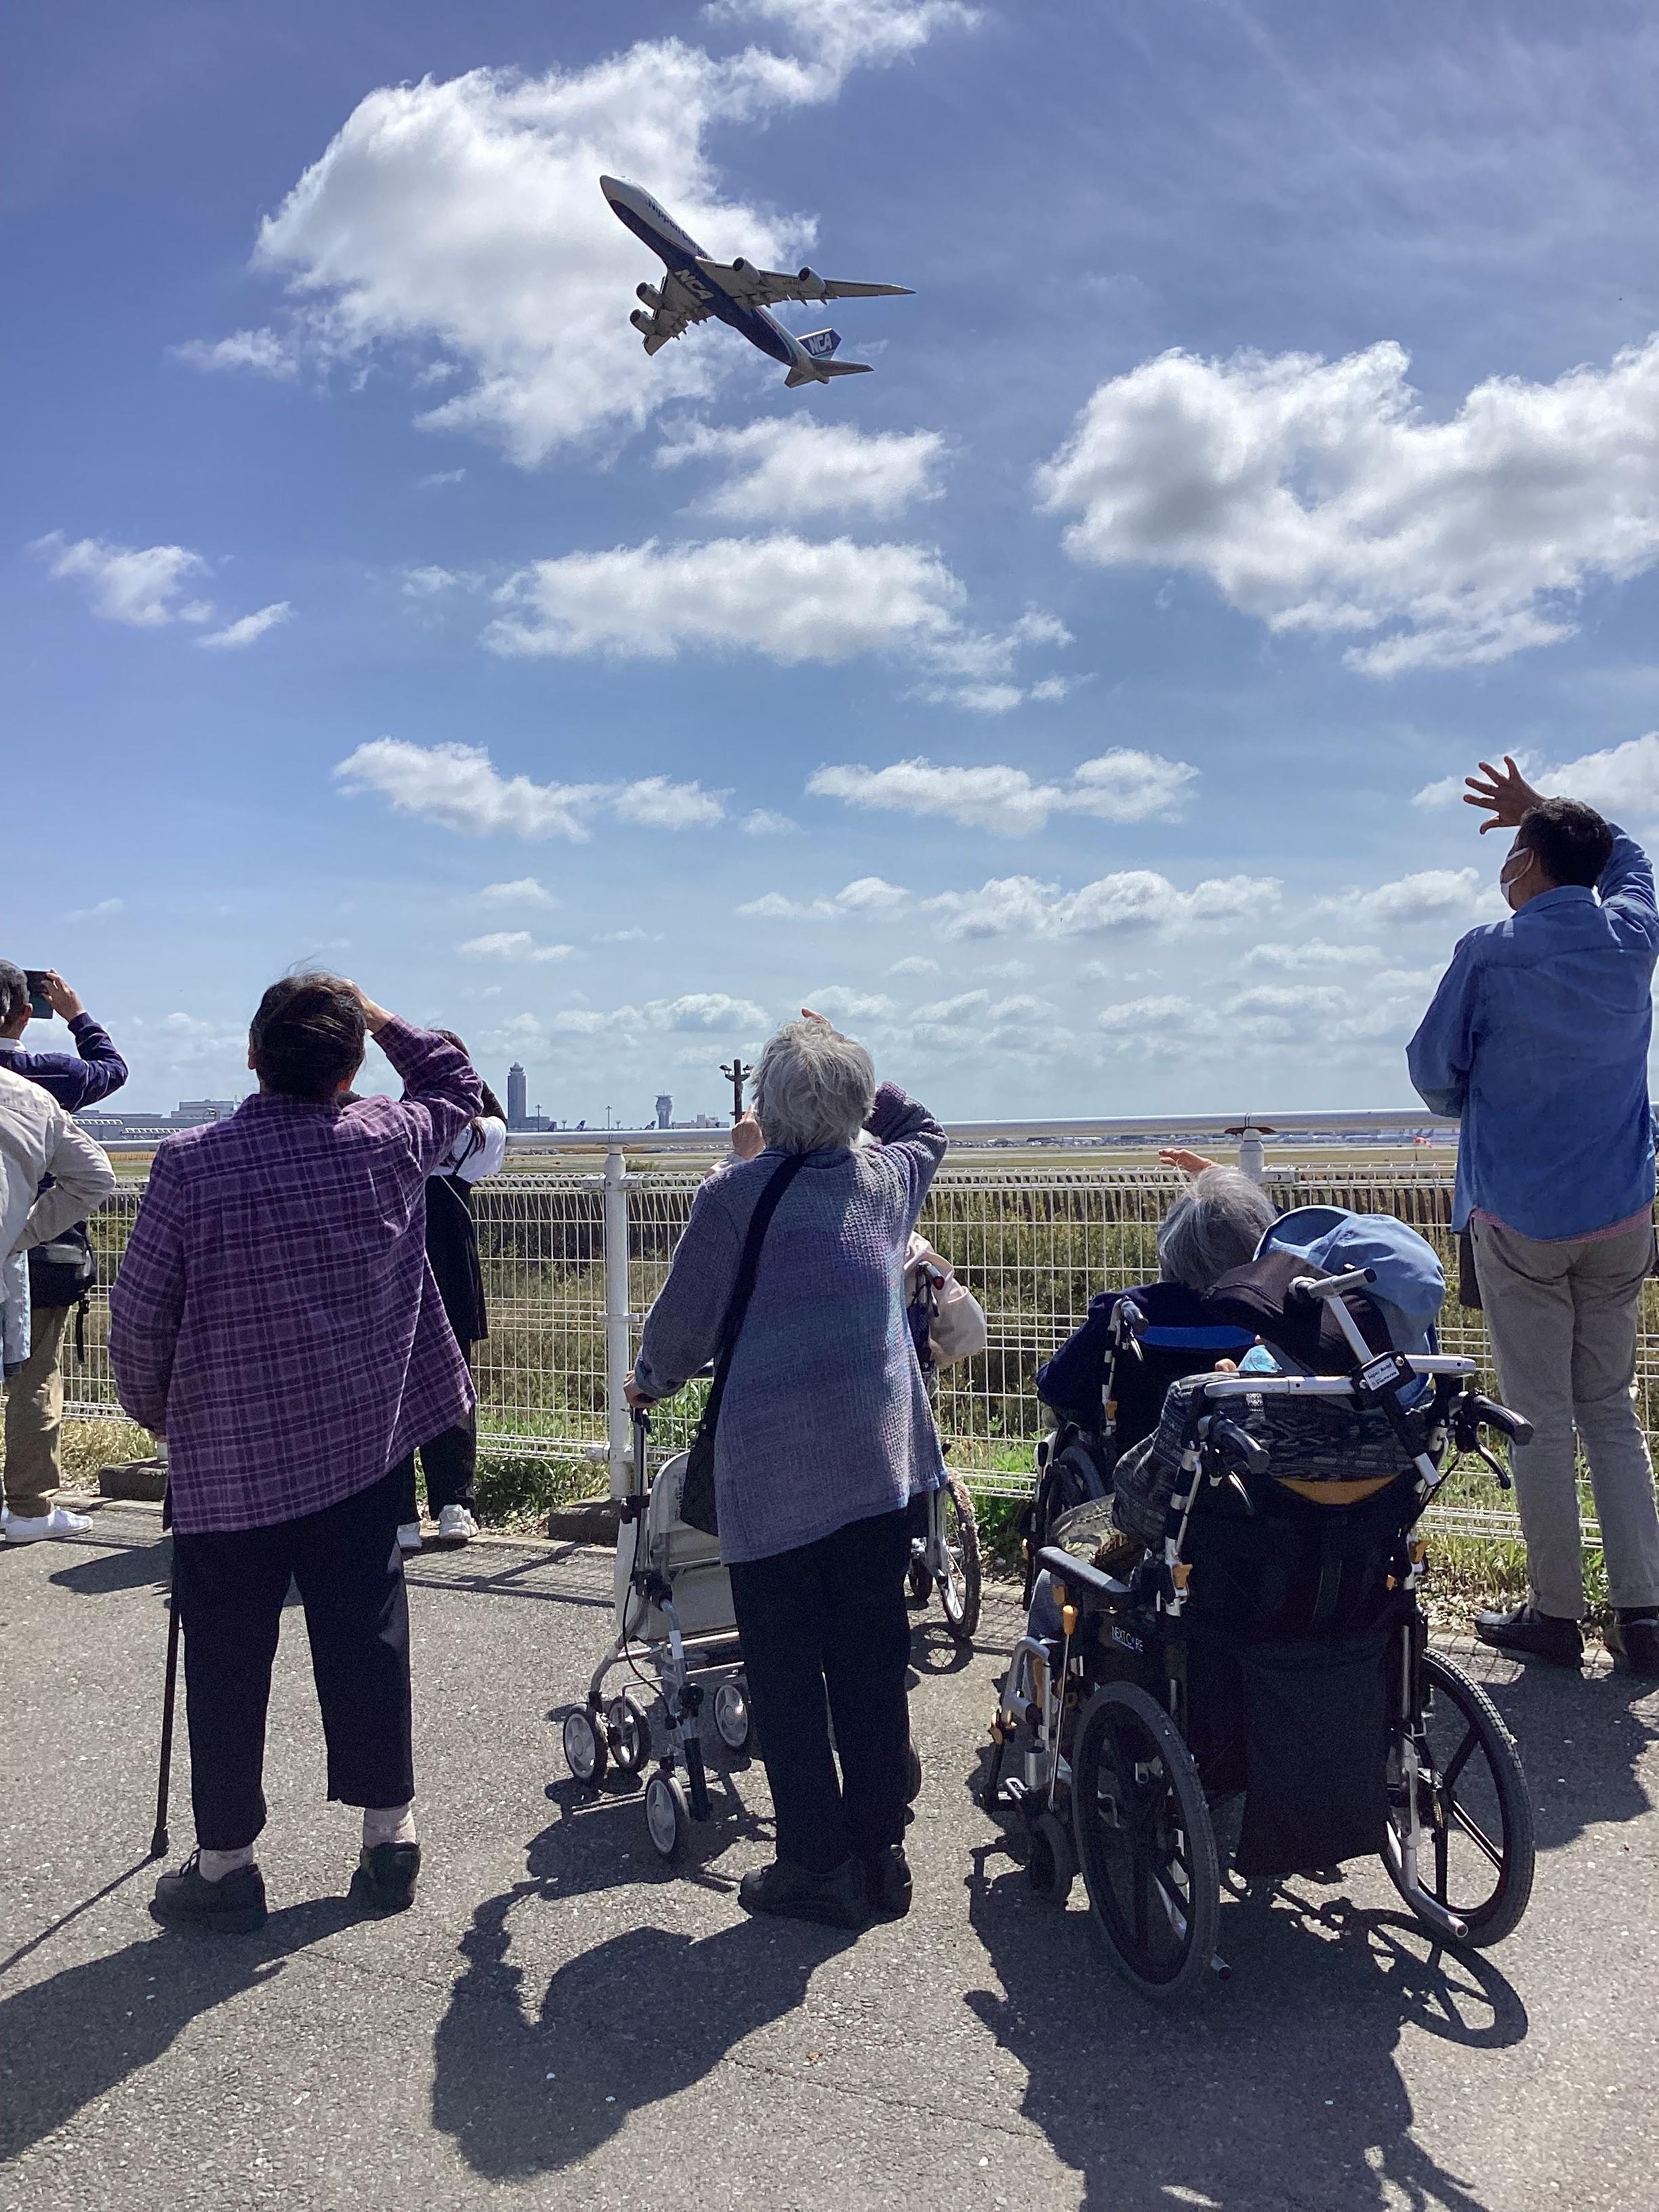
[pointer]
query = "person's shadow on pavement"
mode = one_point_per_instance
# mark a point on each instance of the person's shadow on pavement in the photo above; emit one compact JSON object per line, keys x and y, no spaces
{"x":67,"y":2041}
{"x":620,"y":2026}
{"x":1280,"y":2089}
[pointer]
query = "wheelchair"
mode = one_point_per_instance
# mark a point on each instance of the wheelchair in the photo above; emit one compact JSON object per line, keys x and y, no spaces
{"x":1271,"y":1649}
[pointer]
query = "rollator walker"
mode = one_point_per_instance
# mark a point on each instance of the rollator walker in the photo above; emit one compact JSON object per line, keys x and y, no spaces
{"x":1272,"y":1648}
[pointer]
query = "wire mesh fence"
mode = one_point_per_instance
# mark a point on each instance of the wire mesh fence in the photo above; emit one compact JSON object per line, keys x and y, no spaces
{"x":1033,"y":1242}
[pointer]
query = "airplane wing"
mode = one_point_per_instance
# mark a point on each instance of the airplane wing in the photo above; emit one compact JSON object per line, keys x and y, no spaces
{"x":677,"y":308}
{"x":767,"y":288}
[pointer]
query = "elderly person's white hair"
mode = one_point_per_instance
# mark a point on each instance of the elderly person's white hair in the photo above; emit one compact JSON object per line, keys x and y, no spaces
{"x":1212,"y":1227}
{"x":813,"y":1088}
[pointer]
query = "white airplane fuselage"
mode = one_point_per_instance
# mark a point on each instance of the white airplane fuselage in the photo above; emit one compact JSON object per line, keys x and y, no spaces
{"x":680,"y":253}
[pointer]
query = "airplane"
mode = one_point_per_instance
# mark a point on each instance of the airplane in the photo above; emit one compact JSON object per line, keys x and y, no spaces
{"x":737,"y":292}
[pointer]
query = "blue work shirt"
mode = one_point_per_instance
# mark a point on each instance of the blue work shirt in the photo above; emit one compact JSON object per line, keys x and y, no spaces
{"x":1537,"y":1040}
{"x":74,"y":1080}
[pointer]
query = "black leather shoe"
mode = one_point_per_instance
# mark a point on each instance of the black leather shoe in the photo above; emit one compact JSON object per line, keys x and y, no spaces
{"x":385,"y":1879}
{"x":1636,"y":1634}
{"x":888,"y":1874}
{"x":1530,"y":1634}
{"x":840,"y":1899}
{"x":234,"y":1906}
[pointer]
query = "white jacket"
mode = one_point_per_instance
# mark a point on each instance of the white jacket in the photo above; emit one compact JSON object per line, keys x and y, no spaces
{"x":39,"y":1139}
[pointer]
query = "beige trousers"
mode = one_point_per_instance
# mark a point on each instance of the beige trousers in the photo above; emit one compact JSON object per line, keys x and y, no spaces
{"x":34,"y":1418}
{"x":1563,"y":1321}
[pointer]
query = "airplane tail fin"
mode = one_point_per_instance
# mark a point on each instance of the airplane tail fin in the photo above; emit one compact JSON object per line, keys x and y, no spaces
{"x":818,"y":371}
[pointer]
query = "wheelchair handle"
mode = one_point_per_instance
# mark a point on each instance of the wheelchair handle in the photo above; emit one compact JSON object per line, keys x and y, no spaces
{"x":1080,"y":1578}
{"x":1516,"y":1426}
{"x":1248,"y":1448}
{"x":1306,"y":1288}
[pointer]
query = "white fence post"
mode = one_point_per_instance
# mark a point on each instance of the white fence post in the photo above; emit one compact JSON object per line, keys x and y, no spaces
{"x":1252,"y":1157}
{"x":618,"y":1348}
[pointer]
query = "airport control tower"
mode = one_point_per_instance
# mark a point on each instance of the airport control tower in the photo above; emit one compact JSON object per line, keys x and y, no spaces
{"x":665,"y":1111}
{"x":516,"y":1098}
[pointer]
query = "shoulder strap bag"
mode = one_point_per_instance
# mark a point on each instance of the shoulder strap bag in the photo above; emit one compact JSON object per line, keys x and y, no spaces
{"x":697,"y":1505}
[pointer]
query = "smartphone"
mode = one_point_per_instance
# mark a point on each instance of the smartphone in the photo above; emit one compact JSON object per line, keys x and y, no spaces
{"x":39,"y":1003}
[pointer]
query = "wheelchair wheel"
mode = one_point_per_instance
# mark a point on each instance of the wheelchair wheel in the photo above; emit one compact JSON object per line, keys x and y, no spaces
{"x":585,"y":1753}
{"x":959,"y":1587}
{"x":667,"y":1816}
{"x":1145,"y":1841}
{"x":1051,"y":1859}
{"x":629,"y":1735}
{"x":1475,"y":1852}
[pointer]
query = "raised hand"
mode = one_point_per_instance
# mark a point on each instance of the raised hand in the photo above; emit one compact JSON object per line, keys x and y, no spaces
{"x":1505,"y":793}
{"x":1188,"y":1163}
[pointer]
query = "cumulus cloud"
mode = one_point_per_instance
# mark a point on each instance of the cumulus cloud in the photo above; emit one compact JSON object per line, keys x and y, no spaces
{"x":1621,"y":780}
{"x":513,"y":944}
{"x":789,"y":467}
{"x":458,"y":787}
{"x":432,"y":582}
{"x":976,"y":1022}
{"x":1012,"y":906}
{"x":524,"y":891}
{"x":262,"y":350}
{"x":845,"y":1004}
{"x":245,"y":631}
{"x":1122,"y":786}
{"x":1317,"y":497}
{"x":456,"y":229}
{"x":761,"y":822}
{"x":139,"y":585}
{"x":1433,"y":894}
{"x":914,"y":963}
{"x":1225,"y":1024}
{"x":1309,"y":952}
{"x":696,"y":1012}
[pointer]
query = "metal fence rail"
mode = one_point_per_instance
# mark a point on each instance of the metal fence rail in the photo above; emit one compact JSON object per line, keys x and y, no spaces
{"x":1033,"y":1243}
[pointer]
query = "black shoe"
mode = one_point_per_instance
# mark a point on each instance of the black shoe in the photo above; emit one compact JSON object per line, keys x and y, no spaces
{"x":385,"y":1879}
{"x":888,"y":1877}
{"x":234,"y":1906}
{"x":1530,"y":1634}
{"x":1635,"y":1632}
{"x":840,"y":1899}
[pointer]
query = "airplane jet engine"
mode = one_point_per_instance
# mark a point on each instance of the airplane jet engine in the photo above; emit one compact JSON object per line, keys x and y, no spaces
{"x":811,"y":283}
{"x":649,"y":294}
{"x":640,"y":319}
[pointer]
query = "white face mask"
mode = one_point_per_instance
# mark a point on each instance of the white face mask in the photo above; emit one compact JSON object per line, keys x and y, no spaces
{"x":1513,"y":869}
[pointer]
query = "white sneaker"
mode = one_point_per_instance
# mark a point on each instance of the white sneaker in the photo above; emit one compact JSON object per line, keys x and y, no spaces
{"x":456,"y":1525}
{"x":409,"y":1537}
{"x":21,"y":1529}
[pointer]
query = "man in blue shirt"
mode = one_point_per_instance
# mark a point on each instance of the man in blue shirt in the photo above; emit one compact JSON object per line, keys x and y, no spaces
{"x":34,"y":1394}
{"x":1537,"y":1039}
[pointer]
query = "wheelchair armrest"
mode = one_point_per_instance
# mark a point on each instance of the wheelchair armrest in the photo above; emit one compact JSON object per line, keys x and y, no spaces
{"x":1081,"y":1580}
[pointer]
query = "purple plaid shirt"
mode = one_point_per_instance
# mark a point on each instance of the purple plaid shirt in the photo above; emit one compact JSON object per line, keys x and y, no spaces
{"x":275,"y":1315}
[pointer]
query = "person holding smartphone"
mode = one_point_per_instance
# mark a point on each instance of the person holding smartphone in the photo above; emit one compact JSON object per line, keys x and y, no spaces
{"x":60,"y":1270}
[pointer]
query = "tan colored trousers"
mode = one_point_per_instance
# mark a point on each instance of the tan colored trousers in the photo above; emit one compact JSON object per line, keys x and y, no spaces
{"x":1563,"y":1319}
{"x":34,"y":1418}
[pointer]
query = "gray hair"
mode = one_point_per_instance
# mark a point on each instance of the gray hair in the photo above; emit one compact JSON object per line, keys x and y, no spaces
{"x":14,"y":990}
{"x":813,"y":1088}
{"x":1214,"y":1226}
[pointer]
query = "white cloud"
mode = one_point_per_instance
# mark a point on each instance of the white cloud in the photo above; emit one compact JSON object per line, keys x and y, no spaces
{"x":459,"y":226}
{"x":246,"y":630}
{"x":1315,"y":497}
{"x":761,"y":822}
{"x":513,"y":944}
{"x":431,"y":583}
{"x":630,"y":937}
{"x":262,"y":350}
{"x":868,"y":894}
{"x":787,"y":468}
{"x":436,"y":476}
{"x":1134,"y":899}
{"x":105,"y":910}
{"x":458,"y":787}
{"x":914,"y":963}
{"x":1310,"y":952}
{"x":524,"y":891}
{"x":1122,"y":786}
{"x":844,"y":1005}
{"x":129,"y":584}
{"x":1621,"y":780}
{"x":697,"y":1013}
{"x":1433,"y":894}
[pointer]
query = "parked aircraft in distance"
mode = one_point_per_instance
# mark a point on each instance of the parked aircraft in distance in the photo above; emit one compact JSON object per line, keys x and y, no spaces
{"x":735,"y":291}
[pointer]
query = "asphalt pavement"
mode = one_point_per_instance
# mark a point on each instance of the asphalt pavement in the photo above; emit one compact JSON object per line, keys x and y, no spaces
{"x":561,"y":2020}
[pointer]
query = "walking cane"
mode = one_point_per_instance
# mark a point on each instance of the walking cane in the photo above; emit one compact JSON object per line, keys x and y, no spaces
{"x":158,"y":1842}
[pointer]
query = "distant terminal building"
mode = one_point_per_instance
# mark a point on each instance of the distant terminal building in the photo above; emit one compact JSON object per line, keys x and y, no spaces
{"x":665,"y":1111}
{"x":135,"y":1128}
{"x":517,"y":1096}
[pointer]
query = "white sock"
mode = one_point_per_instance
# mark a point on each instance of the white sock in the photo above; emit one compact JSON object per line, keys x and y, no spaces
{"x":388,"y":1824}
{"x":213,"y":1866}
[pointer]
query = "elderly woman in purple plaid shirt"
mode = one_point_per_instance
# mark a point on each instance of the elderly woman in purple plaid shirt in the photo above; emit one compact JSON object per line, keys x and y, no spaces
{"x":274,"y":1318}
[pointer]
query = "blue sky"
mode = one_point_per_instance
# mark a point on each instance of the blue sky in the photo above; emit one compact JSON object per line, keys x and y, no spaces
{"x":1275,"y":430}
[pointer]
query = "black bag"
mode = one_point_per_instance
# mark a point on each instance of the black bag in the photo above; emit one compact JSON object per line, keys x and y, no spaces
{"x":697,"y":1505}
{"x":63,"y":1271}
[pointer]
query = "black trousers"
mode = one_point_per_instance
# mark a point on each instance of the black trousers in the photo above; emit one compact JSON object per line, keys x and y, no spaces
{"x":230,"y":1589}
{"x":825,"y":1631}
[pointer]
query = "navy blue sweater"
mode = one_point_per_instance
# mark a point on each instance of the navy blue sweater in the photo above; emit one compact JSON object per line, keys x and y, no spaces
{"x":74,"y":1082}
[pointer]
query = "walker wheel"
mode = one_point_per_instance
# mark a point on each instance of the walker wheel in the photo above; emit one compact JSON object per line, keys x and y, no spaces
{"x":1051,"y":1863}
{"x":584,"y":1749}
{"x":666,"y":1815}
{"x":629,"y":1732}
{"x":732,"y":1719}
